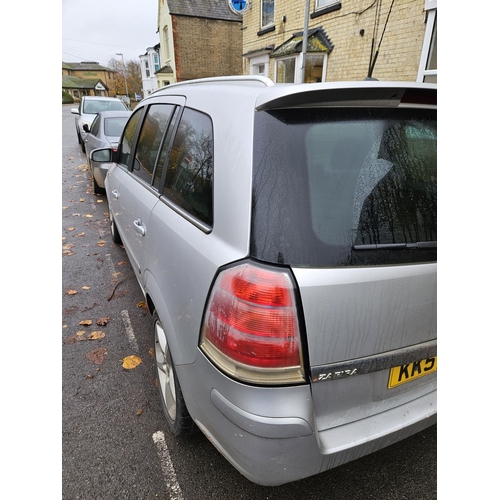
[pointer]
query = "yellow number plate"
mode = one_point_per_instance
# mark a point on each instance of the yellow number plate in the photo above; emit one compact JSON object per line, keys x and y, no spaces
{"x":405,"y":373}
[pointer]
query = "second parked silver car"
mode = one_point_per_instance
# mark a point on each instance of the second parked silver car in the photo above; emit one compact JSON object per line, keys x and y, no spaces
{"x":284,"y":237}
{"x":105,"y":132}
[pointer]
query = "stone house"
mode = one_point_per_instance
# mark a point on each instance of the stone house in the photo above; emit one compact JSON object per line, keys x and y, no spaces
{"x":346,"y":40}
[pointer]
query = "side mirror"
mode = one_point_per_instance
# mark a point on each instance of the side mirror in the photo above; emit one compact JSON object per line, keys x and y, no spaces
{"x":86,"y":128}
{"x":102,"y":155}
{"x":75,"y":111}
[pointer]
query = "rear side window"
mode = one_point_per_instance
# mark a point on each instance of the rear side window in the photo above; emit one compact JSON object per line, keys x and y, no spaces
{"x":113,"y":127}
{"x":189,"y":178}
{"x":344,"y":187}
{"x":94,"y":128}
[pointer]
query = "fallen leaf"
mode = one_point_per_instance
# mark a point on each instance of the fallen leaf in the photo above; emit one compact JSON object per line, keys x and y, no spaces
{"x":72,"y":292}
{"x":80,"y":333}
{"x":82,"y":200}
{"x":85,"y":287}
{"x":85,"y":322}
{"x":122,"y":263}
{"x":89,"y":215}
{"x":68,"y":246}
{"x":131,"y":362}
{"x":151,"y":352}
{"x":101,"y":243}
{"x":81,"y":234}
{"x":70,"y":229}
{"x":97,"y":355}
{"x":139,"y":412}
{"x":103,"y":321}
{"x":97,"y":335}
{"x":142,"y":304}
{"x":99,"y":201}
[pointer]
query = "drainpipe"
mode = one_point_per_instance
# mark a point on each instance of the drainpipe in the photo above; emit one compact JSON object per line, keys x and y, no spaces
{"x":304,"y":43}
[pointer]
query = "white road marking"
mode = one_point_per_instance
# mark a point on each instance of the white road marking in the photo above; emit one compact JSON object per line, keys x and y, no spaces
{"x":111,"y":265}
{"x":173,"y":487}
{"x":129,"y":330}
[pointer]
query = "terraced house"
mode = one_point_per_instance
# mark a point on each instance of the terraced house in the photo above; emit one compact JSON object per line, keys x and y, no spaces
{"x":346,"y":40}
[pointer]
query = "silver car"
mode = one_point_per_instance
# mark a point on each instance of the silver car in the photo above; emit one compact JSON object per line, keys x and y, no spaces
{"x":284,"y":237}
{"x":105,"y":132}
{"x":87,"y":110}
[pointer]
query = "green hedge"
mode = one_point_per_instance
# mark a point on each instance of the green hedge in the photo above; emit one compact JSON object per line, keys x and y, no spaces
{"x":67,"y":98}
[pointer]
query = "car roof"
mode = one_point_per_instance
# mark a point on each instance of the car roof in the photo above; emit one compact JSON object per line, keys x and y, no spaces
{"x":101,"y":98}
{"x":265,"y":94}
{"x":114,"y":114}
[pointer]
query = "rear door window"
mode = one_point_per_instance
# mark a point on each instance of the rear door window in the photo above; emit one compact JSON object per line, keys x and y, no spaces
{"x":189,"y":176}
{"x":150,"y":139}
{"x":128,"y":138}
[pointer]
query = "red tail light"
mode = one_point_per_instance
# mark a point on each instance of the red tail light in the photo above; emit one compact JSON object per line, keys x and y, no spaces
{"x":250,"y":329}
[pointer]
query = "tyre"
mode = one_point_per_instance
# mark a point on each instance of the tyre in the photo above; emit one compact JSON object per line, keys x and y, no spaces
{"x":172,"y":400}
{"x":115,"y":235}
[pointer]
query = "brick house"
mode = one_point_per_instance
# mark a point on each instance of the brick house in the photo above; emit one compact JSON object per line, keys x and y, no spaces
{"x":199,"y":38}
{"x":347,"y":40}
{"x":87,"y":78}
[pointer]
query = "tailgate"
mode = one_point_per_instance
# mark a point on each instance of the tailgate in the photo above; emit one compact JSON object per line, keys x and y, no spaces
{"x":360,"y":322}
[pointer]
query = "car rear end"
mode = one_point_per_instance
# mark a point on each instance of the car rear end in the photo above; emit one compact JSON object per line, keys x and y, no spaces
{"x":320,"y":347}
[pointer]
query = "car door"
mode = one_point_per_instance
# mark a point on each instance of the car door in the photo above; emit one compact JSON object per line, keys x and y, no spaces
{"x":137,"y":193}
{"x":92,"y":141}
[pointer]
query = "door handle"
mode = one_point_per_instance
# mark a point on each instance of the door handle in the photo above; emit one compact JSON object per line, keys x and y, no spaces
{"x":114,"y":193}
{"x":139,"y":227}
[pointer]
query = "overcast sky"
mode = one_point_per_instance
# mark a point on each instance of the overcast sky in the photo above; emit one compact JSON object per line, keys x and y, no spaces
{"x":95,"y":30}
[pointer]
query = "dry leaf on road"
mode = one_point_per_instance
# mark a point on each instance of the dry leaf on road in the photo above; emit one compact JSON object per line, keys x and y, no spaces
{"x":97,"y":335}
{"x":97,"y":355}
{"x":131,"y":362}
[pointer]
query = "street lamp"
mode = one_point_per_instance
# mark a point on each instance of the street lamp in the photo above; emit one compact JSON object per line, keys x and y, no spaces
{"x":124,"y":72}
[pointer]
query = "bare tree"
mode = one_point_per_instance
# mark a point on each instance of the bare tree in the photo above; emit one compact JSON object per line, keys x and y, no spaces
{"x":133,"y":74}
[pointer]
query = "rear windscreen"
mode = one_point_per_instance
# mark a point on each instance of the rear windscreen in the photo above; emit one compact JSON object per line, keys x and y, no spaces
{"x":344,"y":187}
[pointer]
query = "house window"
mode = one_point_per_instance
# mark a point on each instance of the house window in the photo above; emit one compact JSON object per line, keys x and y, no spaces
{"x":289,"y":71}
{"x":315,"y":66}
{"x":267,"y":13}
{"x":324,"y":3}
{"x":167,"y":43}
{"x":427,"y":71}
{"x":285,"y":70}
{"x":157,"y":62}
{"x":146,"y":68}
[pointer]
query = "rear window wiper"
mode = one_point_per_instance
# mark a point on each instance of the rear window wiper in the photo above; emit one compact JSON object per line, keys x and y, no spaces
{"x":419,"y":245}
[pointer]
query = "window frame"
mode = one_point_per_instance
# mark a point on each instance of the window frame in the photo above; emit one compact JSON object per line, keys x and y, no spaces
{"x":270,"y":23}
{"x":428,"y":44}
{"x":325,"y":4}
{"x":298,"y":66}
{"x":192,"y":218}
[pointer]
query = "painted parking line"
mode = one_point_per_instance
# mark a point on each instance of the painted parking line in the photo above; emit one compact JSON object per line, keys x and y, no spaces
{"x":129,"y":330}
{"x":173,"y":487}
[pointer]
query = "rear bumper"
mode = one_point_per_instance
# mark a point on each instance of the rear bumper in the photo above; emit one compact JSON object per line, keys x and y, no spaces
{"x":269,"y":434}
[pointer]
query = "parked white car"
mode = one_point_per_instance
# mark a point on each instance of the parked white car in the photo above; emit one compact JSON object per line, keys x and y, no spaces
{"x":87,"y":110}
{"x":284,"y":237}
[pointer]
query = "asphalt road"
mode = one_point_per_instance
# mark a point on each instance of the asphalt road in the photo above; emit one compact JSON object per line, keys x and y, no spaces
{"x":115,"y":441}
